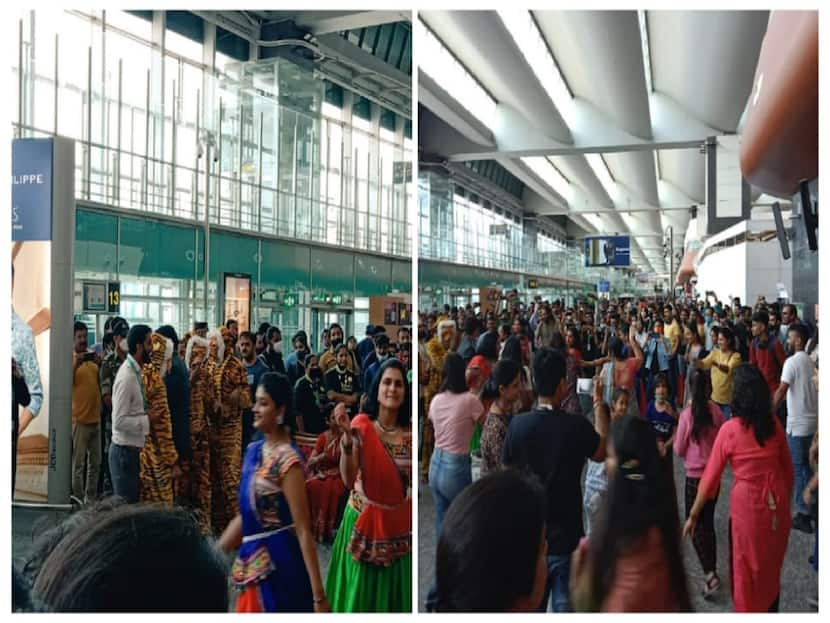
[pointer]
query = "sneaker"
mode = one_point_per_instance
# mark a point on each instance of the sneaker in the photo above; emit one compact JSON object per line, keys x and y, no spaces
{"x":802,"y":523}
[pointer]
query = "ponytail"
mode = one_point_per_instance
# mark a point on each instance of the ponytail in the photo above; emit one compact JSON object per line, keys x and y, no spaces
{"x":503,"y":374}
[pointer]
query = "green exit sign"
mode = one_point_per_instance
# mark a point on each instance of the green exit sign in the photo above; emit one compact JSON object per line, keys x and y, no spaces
{"x":337,"y":299}
{"x":289,"y":300}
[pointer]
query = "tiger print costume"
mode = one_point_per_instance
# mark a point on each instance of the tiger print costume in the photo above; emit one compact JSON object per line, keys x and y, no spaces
{"x":159,"y":453}
{"x":231,"y":385}
{"x":198,"y":494}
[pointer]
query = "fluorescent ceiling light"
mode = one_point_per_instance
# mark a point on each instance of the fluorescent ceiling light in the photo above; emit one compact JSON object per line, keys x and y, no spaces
{"x":528,"y":38}
{"x":641,"y":17}
{"x":600,"y":169}
{"x":437,"y":61}
{"x":657,"y":164}
{"x":542,"y":167}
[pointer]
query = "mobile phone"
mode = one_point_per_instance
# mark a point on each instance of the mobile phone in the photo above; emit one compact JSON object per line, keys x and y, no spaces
{"x":90,"y":356}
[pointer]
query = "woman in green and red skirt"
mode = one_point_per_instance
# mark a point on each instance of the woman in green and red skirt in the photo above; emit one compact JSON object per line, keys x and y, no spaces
{"x":371,"y":563}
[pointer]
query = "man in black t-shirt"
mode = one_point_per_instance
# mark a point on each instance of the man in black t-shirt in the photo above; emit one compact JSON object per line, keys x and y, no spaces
{"x":553,"y":445}
{"x":311,"y":406}
{"x":341,"y":383}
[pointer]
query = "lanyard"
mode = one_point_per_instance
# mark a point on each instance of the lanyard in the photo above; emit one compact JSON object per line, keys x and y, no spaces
{"x":133,"y":366}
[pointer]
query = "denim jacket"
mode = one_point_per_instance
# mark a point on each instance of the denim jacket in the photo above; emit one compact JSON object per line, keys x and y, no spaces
{"x":663,"y":348}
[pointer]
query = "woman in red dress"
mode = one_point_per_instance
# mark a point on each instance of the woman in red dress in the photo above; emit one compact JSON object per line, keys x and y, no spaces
{"x":753,"y":442}
{"x":325,"y":486}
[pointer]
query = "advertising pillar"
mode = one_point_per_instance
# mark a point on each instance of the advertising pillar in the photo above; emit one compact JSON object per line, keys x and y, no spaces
{"x":43,"y":237}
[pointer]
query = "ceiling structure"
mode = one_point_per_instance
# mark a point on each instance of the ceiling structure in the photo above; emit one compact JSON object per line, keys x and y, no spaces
{"x":601,"y":114}
{"x":367,"y":52}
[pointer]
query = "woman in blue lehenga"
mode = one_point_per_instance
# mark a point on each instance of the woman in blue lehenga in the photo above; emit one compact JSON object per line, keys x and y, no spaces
{"x":276,"y":569}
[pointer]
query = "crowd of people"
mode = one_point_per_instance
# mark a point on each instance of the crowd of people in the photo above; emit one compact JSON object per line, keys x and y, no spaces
{"x":236,"y":450}
{"x":568,"y":418}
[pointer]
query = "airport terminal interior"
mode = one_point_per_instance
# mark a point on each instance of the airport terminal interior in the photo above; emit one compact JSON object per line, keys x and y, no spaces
{"x":594,"y":163}
{"x":546,"y":278}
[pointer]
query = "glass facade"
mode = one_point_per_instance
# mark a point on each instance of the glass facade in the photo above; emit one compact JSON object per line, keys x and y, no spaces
{"x":165,"y":124}
{"x":160,"y":264}
{"x":471,"y":245}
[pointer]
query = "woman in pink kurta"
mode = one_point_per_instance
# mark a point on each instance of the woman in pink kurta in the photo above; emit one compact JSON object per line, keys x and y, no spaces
{"x":754,"y":443}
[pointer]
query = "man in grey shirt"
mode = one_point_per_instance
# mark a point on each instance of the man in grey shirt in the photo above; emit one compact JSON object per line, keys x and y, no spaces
{"x":130,"y":424}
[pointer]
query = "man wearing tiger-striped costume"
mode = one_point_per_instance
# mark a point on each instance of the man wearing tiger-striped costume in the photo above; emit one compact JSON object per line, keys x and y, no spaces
{"x":198,"y":495}
{"x":232,"y":396}
{"x":159,"y":460}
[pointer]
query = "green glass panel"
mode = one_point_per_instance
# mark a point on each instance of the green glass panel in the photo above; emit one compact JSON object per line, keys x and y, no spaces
{"x":285,"y":265}
{"x":332,"y":271}
{"x":402,"y":276}
{"x":372,"y":276}
{"x":96,"y":237}
{"x":154,"y":249}
{"x":232,"y":254}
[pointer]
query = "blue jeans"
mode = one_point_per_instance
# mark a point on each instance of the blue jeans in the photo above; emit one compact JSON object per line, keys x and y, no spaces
{"x":124,"y":471}
{"x":726,"y":410}
{"x":449,"y":474}
{"x":557,"y":588}
{"x":800,"y":452}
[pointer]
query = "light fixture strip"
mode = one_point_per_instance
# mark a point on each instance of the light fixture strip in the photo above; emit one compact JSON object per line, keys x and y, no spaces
{"x":644,"y":42}
{"x":528,"y":38}
{"x":441,"y":64}
{"x":542,"y":167}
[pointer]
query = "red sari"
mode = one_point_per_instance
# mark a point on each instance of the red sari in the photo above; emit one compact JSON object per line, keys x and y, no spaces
{"x":325,"y":487}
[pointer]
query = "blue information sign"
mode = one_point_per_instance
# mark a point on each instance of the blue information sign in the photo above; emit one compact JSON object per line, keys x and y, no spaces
{"x":608,"y":251}
{"x":32,"y":189}
{"x":603,"y":286}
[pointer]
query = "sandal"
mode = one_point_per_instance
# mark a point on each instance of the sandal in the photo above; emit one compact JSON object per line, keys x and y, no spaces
{"x":711,"y":586}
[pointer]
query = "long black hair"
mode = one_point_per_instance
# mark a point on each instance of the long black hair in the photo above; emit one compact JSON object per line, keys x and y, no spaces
{"x":640,"y":496}
{"x":481,"y":565}
{"x":513,"y":351}
{"x":751,"y":402}
{"x":504,"y":374}
{"x":453,"y":372}
{"x":699,"y":391}
{"x":372,"y":405}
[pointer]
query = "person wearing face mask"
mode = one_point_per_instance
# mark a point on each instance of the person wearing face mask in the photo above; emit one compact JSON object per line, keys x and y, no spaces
{"x":381,"y":355}
{"x":130,"y":418}
{"x":272,"y":357}
{"x":341,"y":383}
{"x":159,"y":462}
{"x":277,"y":568}
{"x":327,"y":359}
{"x":294,"y":368}
{"x":310,"y":400}
{"x":106,"y":378}
{"x":657,"y":353}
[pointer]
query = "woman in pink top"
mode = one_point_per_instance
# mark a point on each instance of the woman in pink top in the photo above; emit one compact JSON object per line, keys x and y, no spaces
{"x":754,"y":443}
{"x":454,"y":413}
{"x":699,"y":425}
{"x":632,"y":562}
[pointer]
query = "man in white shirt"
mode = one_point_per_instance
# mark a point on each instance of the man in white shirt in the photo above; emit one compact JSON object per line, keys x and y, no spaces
{"x":802,"y":416}
{"x":130,"y":424}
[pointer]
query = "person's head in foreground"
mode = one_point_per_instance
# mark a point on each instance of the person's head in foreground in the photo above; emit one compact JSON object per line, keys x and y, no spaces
{"x":640,"y":501}
{"x":492,"y":548}
{"x":131,"y":558}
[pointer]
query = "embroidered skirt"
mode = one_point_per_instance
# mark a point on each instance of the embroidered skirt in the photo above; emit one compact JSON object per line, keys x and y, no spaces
{"x":353,"y":586}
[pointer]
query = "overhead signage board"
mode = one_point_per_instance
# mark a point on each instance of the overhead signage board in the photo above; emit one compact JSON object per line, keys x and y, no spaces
{"x":603,"y":286}
{"x":608,"y":251}
{"x":532,"y":284}
{"x":114,"y":297}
